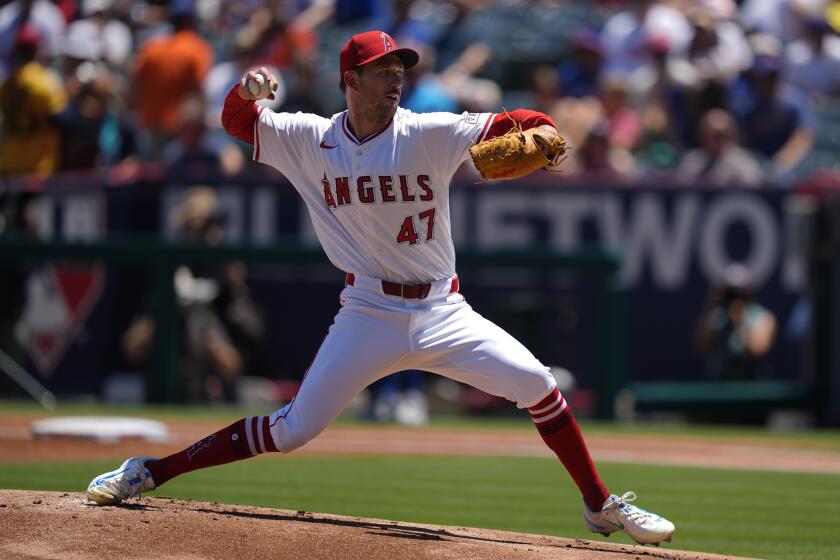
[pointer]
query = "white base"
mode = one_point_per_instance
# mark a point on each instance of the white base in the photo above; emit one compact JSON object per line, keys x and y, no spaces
{"x":105,"y":429}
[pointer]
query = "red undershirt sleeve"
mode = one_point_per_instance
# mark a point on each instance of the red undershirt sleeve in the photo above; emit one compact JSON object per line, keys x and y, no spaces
{"x":524,"y":117}
{"x":239,"y":116}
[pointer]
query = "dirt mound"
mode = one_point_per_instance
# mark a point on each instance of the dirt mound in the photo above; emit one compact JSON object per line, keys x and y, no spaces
{"x":53,"y":525}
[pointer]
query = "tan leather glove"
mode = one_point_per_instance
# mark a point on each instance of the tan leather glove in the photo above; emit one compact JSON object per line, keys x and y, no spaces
{"x":518,"y":153}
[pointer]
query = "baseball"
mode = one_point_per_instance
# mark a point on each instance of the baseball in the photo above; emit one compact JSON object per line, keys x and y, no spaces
{"x":259,"y":87}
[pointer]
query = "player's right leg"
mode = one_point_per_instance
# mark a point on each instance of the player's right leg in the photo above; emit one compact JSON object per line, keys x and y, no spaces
{"x":363,"y":344}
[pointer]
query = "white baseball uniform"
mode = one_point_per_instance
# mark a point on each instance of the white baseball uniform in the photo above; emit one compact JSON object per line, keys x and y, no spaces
{"x":380,"y":208}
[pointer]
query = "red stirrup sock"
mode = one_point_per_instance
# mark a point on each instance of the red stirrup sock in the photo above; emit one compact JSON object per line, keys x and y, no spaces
{"x":559,"y":430}
{"x":241,"y":440}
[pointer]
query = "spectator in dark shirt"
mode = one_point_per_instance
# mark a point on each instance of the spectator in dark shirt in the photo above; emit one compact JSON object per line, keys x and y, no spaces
{"x":580,"y":73}
{"x":194,"y":145}
{"x":774,"y":117}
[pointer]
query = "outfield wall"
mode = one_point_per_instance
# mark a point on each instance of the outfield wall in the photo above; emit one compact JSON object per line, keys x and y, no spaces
{"x":674,"y":242}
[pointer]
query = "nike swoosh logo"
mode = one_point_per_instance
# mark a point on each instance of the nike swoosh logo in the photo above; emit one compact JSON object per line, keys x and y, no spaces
{"x":325,"y":146}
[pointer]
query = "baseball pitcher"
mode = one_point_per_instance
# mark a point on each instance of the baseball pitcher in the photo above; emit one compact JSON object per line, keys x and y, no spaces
{"x":375,"y":179}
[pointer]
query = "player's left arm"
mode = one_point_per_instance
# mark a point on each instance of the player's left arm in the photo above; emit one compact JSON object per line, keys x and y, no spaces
{"x":501,"y":123}
{"x":448,"y":138}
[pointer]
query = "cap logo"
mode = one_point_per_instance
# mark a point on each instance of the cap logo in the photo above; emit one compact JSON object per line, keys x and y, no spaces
{"x":389,"y":46}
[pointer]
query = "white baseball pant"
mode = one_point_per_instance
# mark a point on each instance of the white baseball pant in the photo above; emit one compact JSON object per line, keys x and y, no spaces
{"x":374,"y":335}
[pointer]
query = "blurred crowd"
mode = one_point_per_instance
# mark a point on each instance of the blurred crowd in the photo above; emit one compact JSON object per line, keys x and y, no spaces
{"x":712,"y":90}
{"x":707,"y":92}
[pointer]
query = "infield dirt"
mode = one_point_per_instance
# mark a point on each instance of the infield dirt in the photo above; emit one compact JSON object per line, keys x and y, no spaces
{"x":54,"y":525}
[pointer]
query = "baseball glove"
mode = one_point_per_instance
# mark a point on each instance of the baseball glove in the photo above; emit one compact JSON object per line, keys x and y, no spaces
{"x":518,"y":153}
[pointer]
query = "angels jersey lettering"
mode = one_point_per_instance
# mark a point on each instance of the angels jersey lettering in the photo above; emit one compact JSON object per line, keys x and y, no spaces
{"x":380,"y":206}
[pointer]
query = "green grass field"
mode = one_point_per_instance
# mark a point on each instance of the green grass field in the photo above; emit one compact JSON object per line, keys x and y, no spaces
{"x":759,"y":514}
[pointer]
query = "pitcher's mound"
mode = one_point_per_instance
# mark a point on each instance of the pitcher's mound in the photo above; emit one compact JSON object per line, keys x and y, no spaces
{"x":65,"y":525}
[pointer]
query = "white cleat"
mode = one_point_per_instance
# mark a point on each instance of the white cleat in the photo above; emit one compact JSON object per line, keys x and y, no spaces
{"x":618,"y":515}
{"x":128,"y":481}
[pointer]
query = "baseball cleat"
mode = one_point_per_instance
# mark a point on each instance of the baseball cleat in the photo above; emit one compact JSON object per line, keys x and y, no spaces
{"x":617,"y":514}
{"x":128,"y":481}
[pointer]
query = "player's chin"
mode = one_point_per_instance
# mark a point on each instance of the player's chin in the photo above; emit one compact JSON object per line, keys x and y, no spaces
{"x":388,"y":107}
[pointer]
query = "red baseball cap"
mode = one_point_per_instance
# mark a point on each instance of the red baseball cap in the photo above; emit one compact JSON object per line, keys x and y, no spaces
{"x":367,"y":47}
